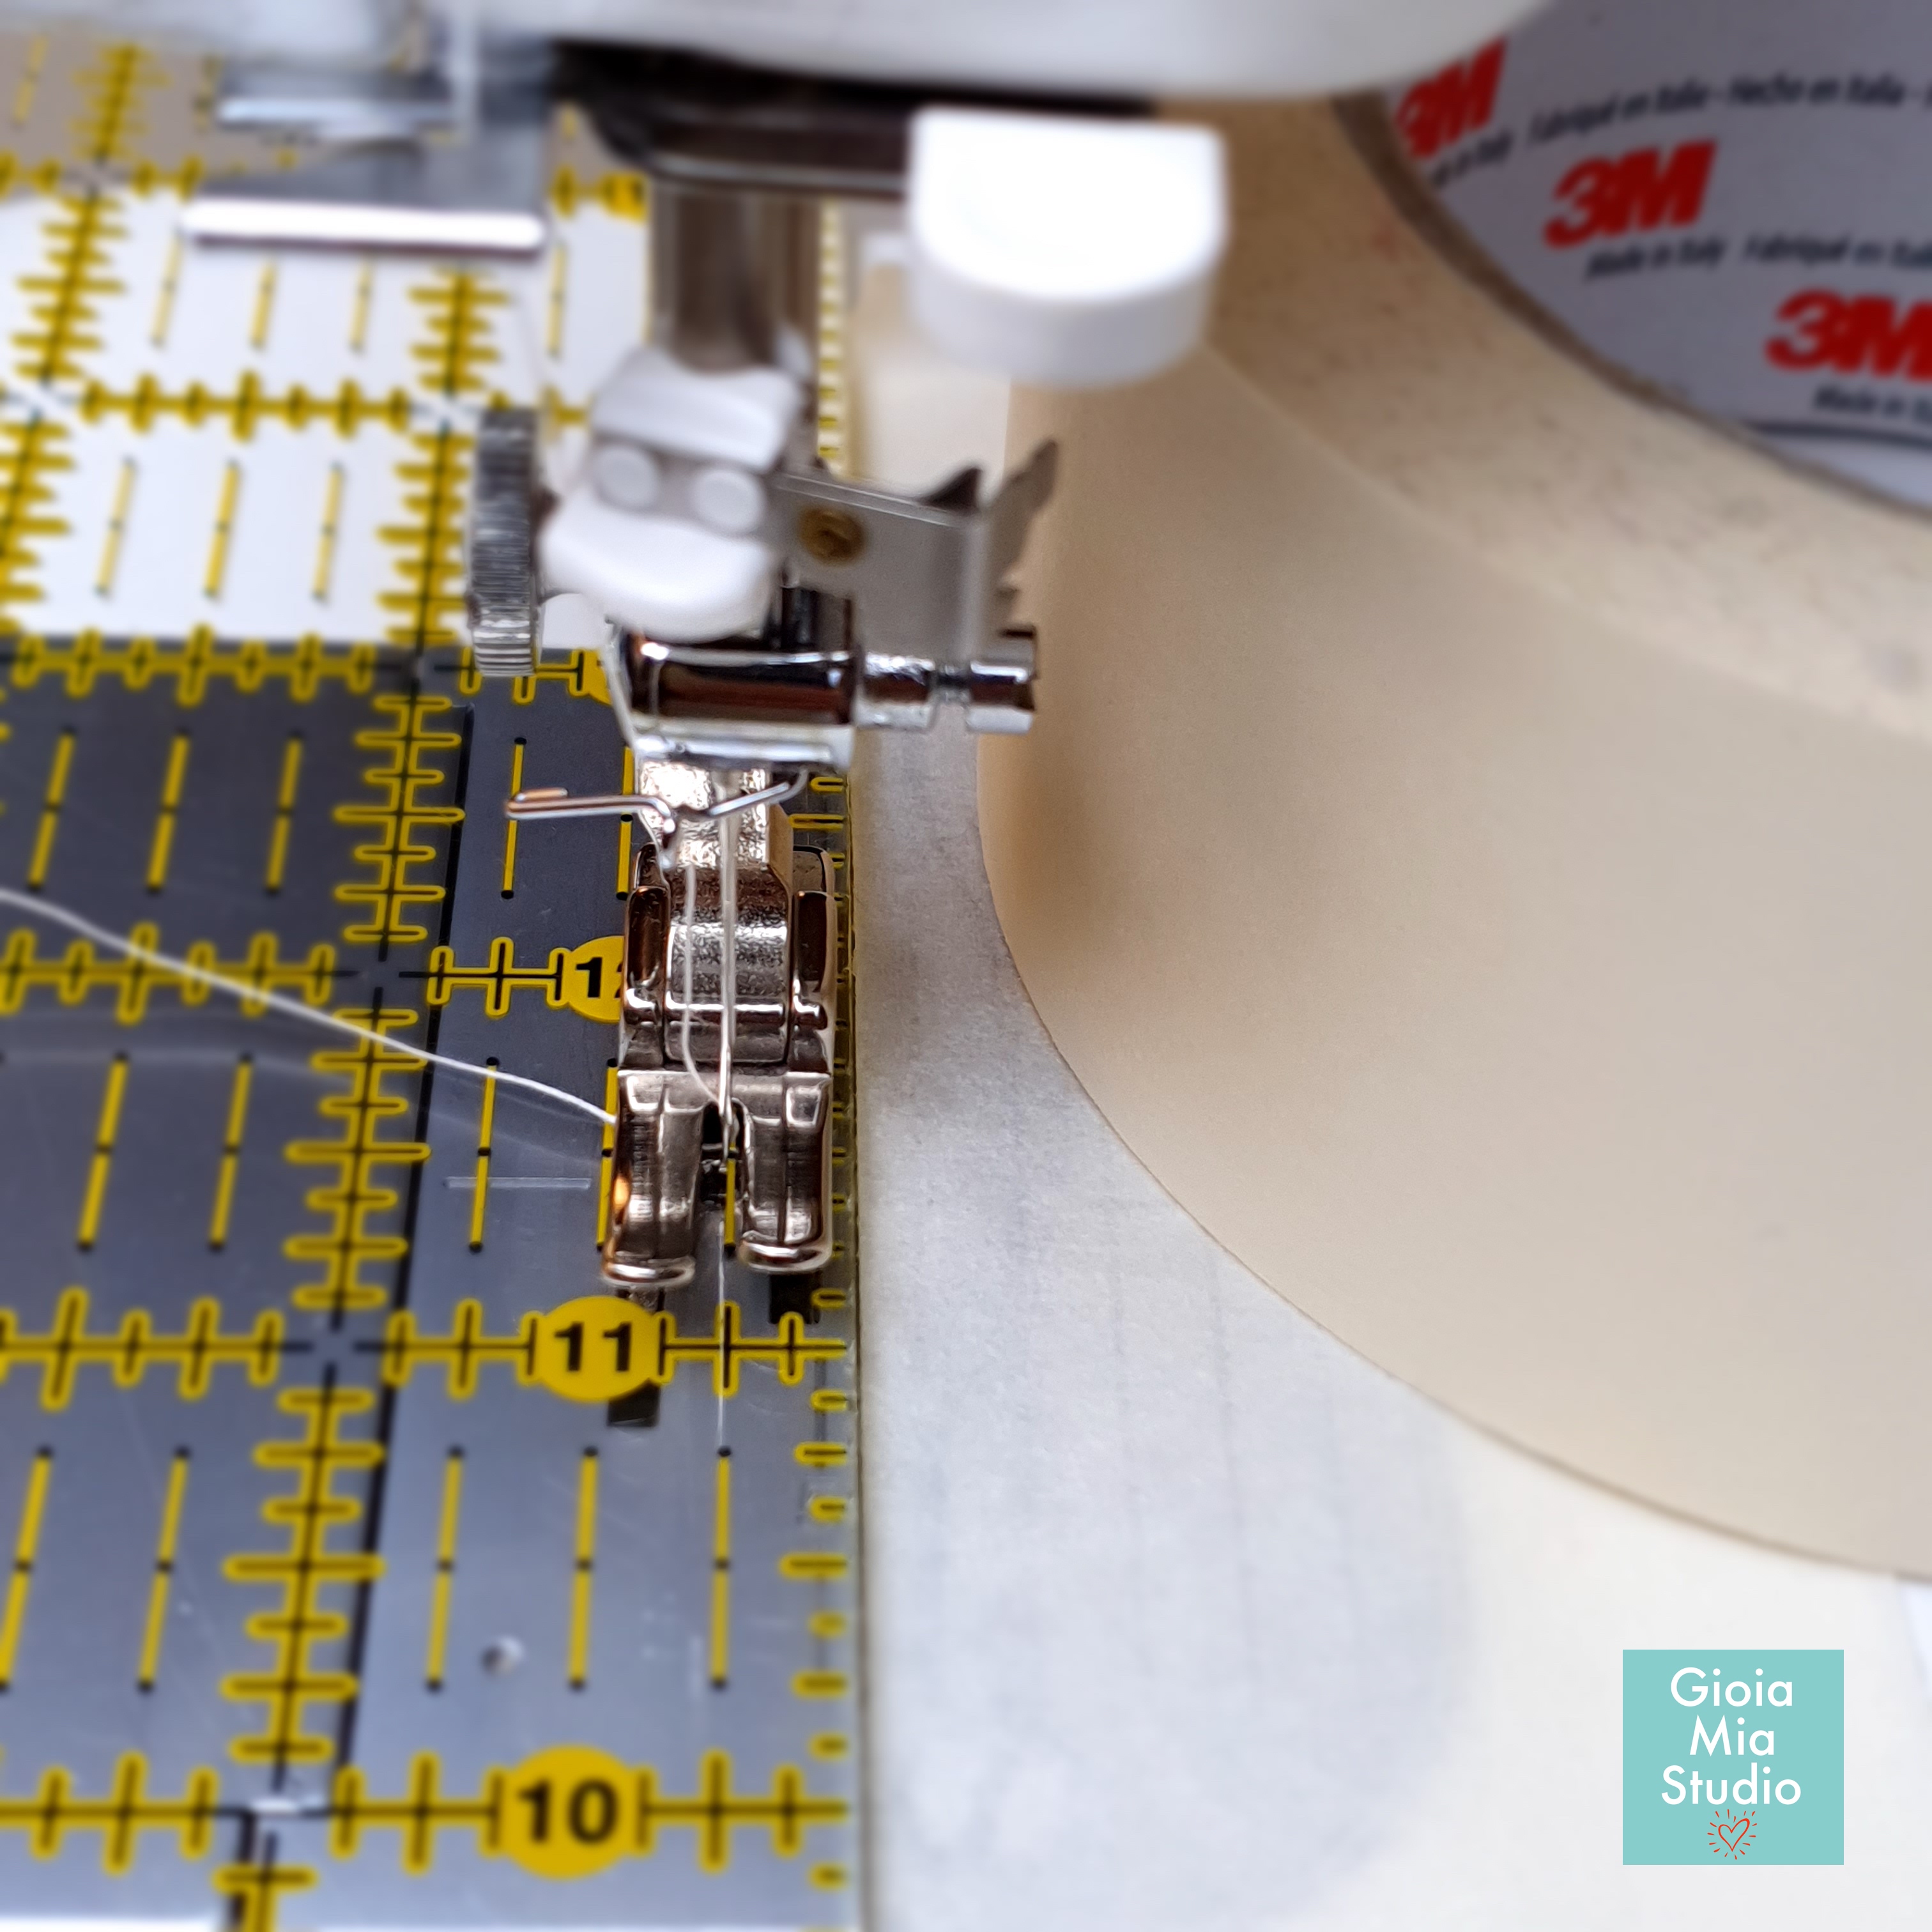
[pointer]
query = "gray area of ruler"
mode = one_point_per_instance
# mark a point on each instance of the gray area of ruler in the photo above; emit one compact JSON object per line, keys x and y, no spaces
{"x":80,"y":1607}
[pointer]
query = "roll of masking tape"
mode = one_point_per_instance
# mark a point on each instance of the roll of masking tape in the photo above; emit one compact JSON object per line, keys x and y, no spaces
{"x":1476,"y":845}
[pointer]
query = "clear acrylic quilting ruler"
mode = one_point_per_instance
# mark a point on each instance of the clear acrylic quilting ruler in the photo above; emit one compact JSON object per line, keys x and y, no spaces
{"x":341,"y":1584}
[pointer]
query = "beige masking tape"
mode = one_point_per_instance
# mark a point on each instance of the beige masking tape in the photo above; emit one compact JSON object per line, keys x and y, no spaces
{"x":1476,"y":848}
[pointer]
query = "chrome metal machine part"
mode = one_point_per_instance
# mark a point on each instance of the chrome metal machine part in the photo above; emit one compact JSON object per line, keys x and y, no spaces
{"x":728,"y":970}
{"x":443,"y":156}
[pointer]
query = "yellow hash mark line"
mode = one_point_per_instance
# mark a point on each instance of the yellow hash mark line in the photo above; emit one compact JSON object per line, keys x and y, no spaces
{"x":484,"y":1127}
{"x":610,"y":1153}
{"x":162,"y":848}
{"x":332,"y":521}
{"x":103,"y":1152}
{"x":298,"y":1679}
{"x":51,"y":801}
{"x":359,"y":320}
{"x":120,"y":1814}
{"x":510,"y":824}
{"x":133,"y":1349}
{"x":224,"y":523}
{"x":117,"y":524}
{"x":558,"y":276}
{"x":164,"y":1571}
{"x":164,"y":302}
{"x":624,"y":827}
{"x":720,"y":1576}
{"x":581,"y":1568}
{"x":285,"y":806}
{"x":446,"y":1569}
{"x":112,"y":90}
{"x":231,"y":1152}
{"x":30,"y":79}
{"x":257,"y":1890}
{"x":25,"y":1544}
{"x":265,"y":307}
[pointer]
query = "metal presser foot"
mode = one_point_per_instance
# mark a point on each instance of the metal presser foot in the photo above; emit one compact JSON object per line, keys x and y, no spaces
{"x":725,"y":1039}
{"x":768,"y":1090}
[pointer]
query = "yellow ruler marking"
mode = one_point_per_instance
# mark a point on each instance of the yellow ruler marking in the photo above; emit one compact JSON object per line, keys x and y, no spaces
{"x":446,"y":1569}
{"x":609,"y":1154}
{"x":832,"y":395}
{"x":624,"y":827}
{"x":25,"y":1543}
{"x":30,"y":79}
{"x":194,"y":663}
{"x":581,"y":1570}
{"x":813,"y":1566}
{"x":164,"y":1571}
{"x":231,"y":1152}
{"x":164,"y":302}
{"x":77,"y":973}
{"x":510,"y":824}
{"x":265,"y":307}
{"x":356,"y":1205}
{"x":621,"y":193}
{"x":720,"y":1576}
{"x":285,"y":806}
{"x":134,"y":1347}
{"x":257,"y":1891}
{"x":117,"y":524}
{"x":331,"y":522}
{"x":297,"y":1678}
{"x":359,"y":320}
{"x":103,"y":1152}
{"x":62,"y":297}
{"x":398,"y":816}
{"x":51,"y":800}
{"x":112,"y":92}
{"x":120,"y":1815}
{"x":224,"y":525}
{"x":162,"y":847}
{"x":559,"y":260}
{"x":663,"y":1348}
{"x":246,"y":406}
{"x":485,"y":1126}
{"x":30,"y":457}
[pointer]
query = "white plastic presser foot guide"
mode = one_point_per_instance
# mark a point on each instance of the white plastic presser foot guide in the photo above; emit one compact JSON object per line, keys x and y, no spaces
{"x":344,"y":1582}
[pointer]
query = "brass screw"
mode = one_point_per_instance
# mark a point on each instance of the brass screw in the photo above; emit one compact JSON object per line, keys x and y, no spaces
{"x":833,"y":536}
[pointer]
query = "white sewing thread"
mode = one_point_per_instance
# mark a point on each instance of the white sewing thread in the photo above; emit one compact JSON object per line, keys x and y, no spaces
{"x":689,"y":867}
{"x":240,"y":989}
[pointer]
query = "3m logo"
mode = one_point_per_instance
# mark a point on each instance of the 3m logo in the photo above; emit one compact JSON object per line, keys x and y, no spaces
{"x":1645,"y":190}
{"x":1857,"y":335}
{"x":1447,"y":106}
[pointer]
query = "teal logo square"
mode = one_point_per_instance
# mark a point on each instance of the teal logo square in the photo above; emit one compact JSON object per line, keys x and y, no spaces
{"x":1734,"y":1757}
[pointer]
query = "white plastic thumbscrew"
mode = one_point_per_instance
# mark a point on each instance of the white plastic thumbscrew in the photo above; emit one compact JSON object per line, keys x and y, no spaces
{"x":1065,"y":252}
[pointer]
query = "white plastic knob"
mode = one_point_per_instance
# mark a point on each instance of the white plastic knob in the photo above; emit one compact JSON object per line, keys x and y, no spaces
{"x":1065,"y":252}
{"x":741,"y":416}
{"x":666,"y":577}
{"x":625,"y":476}
{"x":728,"y":499}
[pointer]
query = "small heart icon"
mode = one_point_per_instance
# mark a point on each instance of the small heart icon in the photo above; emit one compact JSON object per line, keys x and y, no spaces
{"x":1735,"y":1835}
